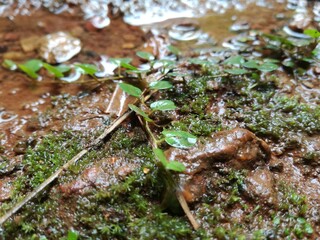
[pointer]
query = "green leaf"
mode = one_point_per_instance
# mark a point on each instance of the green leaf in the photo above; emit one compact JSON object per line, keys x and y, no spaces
{"x":158,"y":85}
{"x":179,"y":139}
{"x":160,"y":155}
{"x":268,"y":67}
{"x":33,"y":65}
{"x":174,"y":50}
{"x":163,"y":105}
{"x":89,"y":69}
{"x":63,"y":68}
{"x":234,"y":60}
{"x":9,"y":64}
{"x":145,"y":55}
{"x":118,"y":61}
{"x":176,"y":166}
{"x":28,"y":71}
{"x":128,"y":66}
{"x":251,"y":64}
{"x":236,"y":71}
{"x":140,"y":112}
{"x":53,"y":70}
{"x":312,"y":33}
{"x":288,"y":63}
{"x":130,"y":89}
{"x":72,"y":235}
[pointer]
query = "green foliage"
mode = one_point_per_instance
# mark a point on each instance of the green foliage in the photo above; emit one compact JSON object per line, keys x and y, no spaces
{"x":145,"y":55}
{"x":33,"y":65}
{"x":72,"y":235}
{"x":28,"y":71}
{"x":31,"y":68}
{"x":128,"y":66}
{"x":174,"y":50}
{"x":251,"y":64}
{"x":159,"y":85}
{"x":268,"y":67}
{"x":170,"y":165}
{"x":53,"y":70}
{"x":236,"y":71}
{"x":163,"y":105}
{"x":234,"y":60}
{"x":179,"y":139}
{"x":130,"y":89}
{"x":175,"y":166}
{"x":89,"y":69}
{"x":312,"y":33}
{"x":9,"y":64}
{"x":140,"y":112}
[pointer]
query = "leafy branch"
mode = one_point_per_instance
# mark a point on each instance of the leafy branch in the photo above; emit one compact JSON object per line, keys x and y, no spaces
{"x":179,"y":139}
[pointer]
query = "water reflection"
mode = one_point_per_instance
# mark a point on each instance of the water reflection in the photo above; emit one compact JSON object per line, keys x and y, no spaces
{"x":140,"y":12}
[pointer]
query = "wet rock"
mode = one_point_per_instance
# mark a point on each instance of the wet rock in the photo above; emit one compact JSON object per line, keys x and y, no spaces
{"x":11,"y":36}
{"x":102,"y":175}
{"x":300,"y":22}
{"x":13,"y":55}
{"x":29,"y":44}
{"x":59,"y":47}
{"x":259,"y":185}
{"x":237,"y":148}
{"x":240,"y":26}
{"x":90,"y":177}
{"x":184,"y":32}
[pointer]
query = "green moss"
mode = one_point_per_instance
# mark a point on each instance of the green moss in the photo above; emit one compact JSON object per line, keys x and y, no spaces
{"x":48,"y":156}
{"x":275,"y":117}
{"x":203,"y":125}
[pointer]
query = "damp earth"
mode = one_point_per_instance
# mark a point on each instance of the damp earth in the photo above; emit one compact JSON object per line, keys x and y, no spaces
{"x":227,"y":91}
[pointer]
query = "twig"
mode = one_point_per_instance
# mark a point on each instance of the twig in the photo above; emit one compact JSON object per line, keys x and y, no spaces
{"x":56,"y":174}
{"x":182,"y":201}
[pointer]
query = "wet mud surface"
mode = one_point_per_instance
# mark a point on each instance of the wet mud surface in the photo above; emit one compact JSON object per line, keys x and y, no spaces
{"x":253,"y":174}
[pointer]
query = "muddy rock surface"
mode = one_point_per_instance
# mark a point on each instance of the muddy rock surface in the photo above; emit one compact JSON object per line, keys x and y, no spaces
{"x":237,"y":148}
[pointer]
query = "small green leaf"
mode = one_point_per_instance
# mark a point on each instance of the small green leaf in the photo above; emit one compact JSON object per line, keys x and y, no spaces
{"x":118,"y":61}
{"x":176,"y":166}
{"x":236,"y":71}
{"x":53,"y":70}
{"x":63,"y":68}
{"x":268,"y":67}
{"x":128,"y":66}
{"x":72,"y":235}
{"x":174,"y":50}
{"x":312,"y":33}
{"x":89,"y":69}
{"x":140,"y":112}
{"x":130,"y":89}
{"x":28,"y":71}
{"x":179,"y":139}
{"x":288,"y":63}
{"x":145,"y":55}
{"x":163,"y":105}
{"x":251,"y":64}
{"x":9,"y":64}
{"x":160,"y":155}
{"x":33,"y":65}
{"x":160,"y":85}
{"x":234,"y":60}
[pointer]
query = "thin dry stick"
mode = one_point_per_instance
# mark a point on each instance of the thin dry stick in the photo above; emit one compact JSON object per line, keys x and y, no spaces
{"x":182,"y":201}
{"x":56,"y":174}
